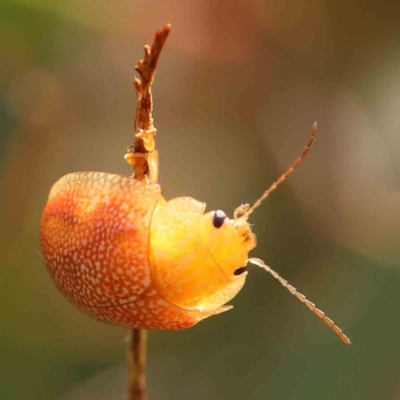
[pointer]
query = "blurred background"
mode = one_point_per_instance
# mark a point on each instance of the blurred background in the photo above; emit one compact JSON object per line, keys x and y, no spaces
{"x":238,"y":89}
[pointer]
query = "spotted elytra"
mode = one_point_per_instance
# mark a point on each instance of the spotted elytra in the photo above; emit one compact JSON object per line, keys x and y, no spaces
{"x":124,"y":255}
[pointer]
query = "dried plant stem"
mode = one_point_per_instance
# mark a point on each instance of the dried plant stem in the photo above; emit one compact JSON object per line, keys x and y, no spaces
{"x":136,"y":355}
{"x":142,"y":155}
{"x":146,"y":69}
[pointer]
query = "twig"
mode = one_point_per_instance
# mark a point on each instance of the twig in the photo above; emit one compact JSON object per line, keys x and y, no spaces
{"x":136,"y":355}
{"x":146,"y":68}
{"x":144,"y":128}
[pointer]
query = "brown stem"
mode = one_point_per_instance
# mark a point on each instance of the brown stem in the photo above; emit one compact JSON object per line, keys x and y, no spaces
{"x":144,"y":128}
{"x":146,"y":68}
{"x":136,"y":355}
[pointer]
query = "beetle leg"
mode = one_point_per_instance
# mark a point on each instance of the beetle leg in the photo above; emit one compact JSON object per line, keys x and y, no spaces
{"x":152,"y":160}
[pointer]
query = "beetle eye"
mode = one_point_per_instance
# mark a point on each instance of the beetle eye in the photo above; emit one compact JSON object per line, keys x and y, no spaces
{"x":219,"y":218}
{"x":240,"y":271}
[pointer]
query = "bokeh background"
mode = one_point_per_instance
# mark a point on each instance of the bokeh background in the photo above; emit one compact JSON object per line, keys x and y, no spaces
{"x":239,"y":85}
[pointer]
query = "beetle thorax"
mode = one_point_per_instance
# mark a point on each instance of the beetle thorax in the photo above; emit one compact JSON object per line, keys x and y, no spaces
{"x":193,"y":263}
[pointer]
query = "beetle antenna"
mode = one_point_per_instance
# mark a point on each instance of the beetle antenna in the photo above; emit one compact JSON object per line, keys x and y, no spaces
{"x":245,"y":210}
{"x":302,"y":298}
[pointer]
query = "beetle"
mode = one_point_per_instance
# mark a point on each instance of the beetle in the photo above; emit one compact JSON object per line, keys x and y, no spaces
{"x":124,"y":255}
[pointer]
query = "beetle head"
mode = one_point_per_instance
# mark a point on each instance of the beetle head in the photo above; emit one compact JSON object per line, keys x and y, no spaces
{"x":228,"y":240}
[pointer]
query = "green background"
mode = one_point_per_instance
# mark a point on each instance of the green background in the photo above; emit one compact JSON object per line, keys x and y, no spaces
{"x":238,"y":88}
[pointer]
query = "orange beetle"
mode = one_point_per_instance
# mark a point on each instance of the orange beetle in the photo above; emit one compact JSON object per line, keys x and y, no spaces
{"x":123,"y":254}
